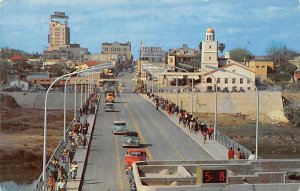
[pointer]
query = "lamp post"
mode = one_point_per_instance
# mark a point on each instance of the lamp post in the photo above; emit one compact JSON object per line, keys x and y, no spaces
{"x":45,"y":119}
{"x":65,"y":92}
{"x":216,"y":102}
{"x":75,"y":97}
{"x":192,"y":89}
{"x":257,"y":104}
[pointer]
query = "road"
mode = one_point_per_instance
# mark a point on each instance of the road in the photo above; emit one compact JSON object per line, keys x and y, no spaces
{"x":160,"y":137}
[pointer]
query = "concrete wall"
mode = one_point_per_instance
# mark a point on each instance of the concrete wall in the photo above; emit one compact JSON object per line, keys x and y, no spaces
{"x":229,"y":102}
{"x":37,"y":99}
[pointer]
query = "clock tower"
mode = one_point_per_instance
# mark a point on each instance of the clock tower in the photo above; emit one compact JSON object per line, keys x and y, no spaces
{"x":209,"y":55}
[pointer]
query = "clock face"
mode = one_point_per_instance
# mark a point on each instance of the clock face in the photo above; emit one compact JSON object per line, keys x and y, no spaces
{"x":214,"y":176}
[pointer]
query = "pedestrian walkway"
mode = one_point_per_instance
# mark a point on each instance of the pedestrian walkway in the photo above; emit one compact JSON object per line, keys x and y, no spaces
{"x":213,"y":148}
{"x":80,"y":156}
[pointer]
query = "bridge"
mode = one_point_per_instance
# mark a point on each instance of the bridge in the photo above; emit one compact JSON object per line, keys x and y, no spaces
{"x":168,"y":145}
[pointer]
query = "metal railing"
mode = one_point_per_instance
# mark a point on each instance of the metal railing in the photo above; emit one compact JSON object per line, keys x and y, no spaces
{"x":56,"y":154}
{"x":228,"y":142}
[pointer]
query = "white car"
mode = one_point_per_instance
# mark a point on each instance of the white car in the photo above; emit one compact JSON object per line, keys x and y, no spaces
{"x":109,"y":107}
{"x":119,"y":128}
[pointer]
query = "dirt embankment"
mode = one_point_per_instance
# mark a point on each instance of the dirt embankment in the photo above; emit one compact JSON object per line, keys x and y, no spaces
{"x":275,"y":140}
{"x":21,"y":140}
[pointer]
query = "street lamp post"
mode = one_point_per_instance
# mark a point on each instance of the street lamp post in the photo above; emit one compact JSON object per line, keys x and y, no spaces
{"x":257,"y":105}
{"x":45,"y":120}
{"x":216,"y":102}
{"x":65,"y":92}
{"x":75,"y":97}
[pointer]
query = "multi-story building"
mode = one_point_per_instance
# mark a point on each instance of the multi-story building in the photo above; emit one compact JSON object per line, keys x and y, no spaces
{"x":122,"y":50}
{"x":152,"y":54}
{"x":183,"y":57}
{"x":59,"y":31}
{"x":261,"y":68}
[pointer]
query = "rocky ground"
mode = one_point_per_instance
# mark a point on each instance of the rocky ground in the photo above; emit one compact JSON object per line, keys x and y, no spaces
{"x":21,"y":140}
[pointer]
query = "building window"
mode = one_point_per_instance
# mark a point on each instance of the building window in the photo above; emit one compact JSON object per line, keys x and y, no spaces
{"x":248,"y":81}
{"x":257,"y":66}
{"x":241,"y":80}
{"x":209,"y":58}
{"x":208,"y":80}
{"x":233,"y":80}
{"x":209,"y":46}
{"x":226,"y":80}
{"x":263,"y":67}
{"x":218,"y":80}
{"x":249,"y":88}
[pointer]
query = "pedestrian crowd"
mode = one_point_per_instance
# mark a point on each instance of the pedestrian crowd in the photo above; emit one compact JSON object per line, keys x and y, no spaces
{"x":63,"y":168}
{"x":193,"y":123}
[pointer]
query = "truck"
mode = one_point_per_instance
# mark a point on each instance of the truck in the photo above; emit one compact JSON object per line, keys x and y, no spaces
{"x":109,"y":96}
{"x":133,"y":155}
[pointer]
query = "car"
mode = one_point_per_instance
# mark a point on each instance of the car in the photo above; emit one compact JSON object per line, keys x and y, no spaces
{"x":131,"y":139}
{"x":133,"y":155}
{"x":109,"y":107}
{"x":119,"y":128}
{"x":11,"y":89}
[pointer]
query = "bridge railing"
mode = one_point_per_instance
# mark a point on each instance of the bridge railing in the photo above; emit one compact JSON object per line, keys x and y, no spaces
{"x":56,"y":154}
{"x":229,"y":142}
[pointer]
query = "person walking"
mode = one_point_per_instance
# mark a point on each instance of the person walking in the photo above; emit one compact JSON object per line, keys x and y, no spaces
{"x":61,"y":185}
{"x":231,"y":153}
{"x":74,"y":168}
{"x":238,"y":154}
{"x":204,"y":136}
{"x":51,"y":184}
{"x":210,"y":131}
{"x":252,"y":156}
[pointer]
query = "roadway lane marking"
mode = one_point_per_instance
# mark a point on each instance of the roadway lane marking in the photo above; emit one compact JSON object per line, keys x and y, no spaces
{"x":138,"y":130}
{"x":118,"y":158}
{"x":163,"y":134}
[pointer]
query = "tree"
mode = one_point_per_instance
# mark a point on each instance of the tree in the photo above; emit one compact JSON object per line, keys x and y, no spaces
{"x":240,"y":54}
{"x":221,"y":47}
{"x":280,"y":55}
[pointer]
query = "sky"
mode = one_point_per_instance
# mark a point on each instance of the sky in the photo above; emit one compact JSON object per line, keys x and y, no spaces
{"x":251,"y":24}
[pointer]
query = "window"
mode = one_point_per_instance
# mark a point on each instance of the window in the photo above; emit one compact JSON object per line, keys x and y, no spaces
{"x":209,"y":58}
{"x":241,"y":80}
{"x":257,"y":66}
{"x":233,"y":80}
{"x":208,"y":80}
{"x":218,"y":80}
{"x":226,"y":80}
{"x":249,"y":88}
{"x":263,"y":67}
{"x":209,"y":46}
{"x":248,"y":81}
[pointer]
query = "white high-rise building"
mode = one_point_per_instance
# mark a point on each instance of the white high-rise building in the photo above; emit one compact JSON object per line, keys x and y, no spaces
{"x":209,"y":57}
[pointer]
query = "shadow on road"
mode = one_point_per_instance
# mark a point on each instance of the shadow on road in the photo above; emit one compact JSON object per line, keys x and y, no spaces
{"x":145,"y":145}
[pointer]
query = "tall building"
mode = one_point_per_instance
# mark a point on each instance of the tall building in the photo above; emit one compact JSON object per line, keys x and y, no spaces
{"x":59,"y":31}
{"x":209,"y":57}
{"x":123,"y":50}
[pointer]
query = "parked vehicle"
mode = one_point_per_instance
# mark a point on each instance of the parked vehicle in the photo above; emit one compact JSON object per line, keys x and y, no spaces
{"x":119,"y":128}
{"x":133,"y":155}
{"x":131,"y":139}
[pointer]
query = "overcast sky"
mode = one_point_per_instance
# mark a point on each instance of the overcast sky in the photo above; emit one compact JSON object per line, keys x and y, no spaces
{"x":251,"y":24}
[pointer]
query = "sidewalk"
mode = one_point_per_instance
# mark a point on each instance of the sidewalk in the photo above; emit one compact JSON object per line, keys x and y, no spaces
{"x":213,"y":148}
{"x":80,"y":155}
